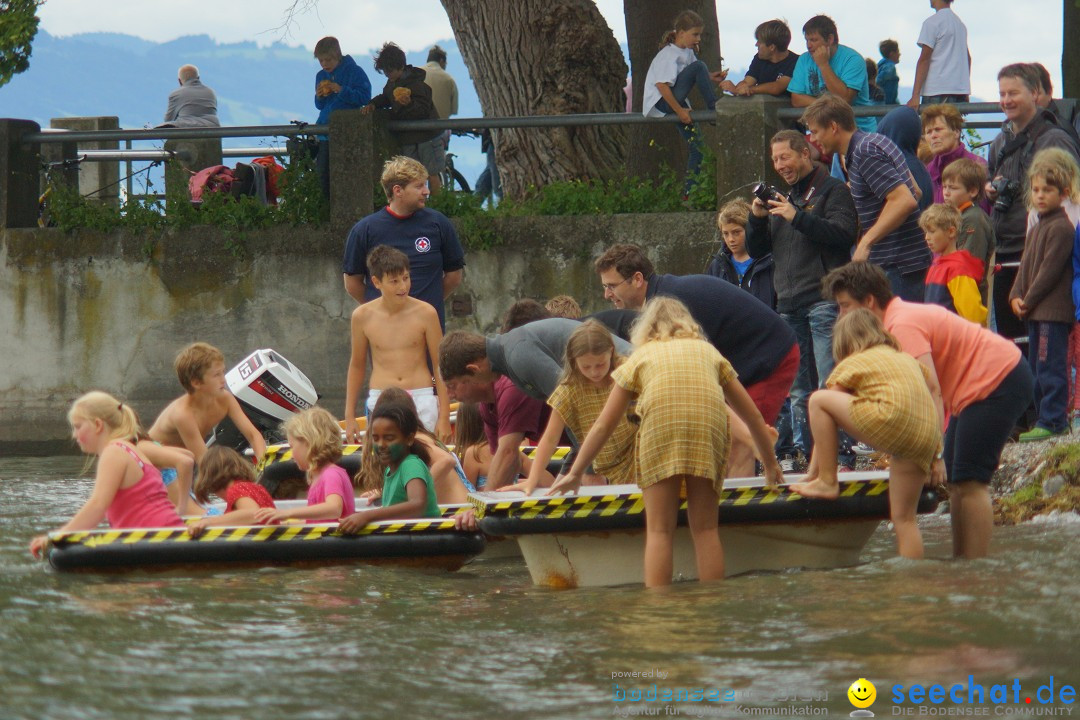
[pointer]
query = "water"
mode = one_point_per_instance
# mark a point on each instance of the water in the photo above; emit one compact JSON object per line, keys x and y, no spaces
{"x":359,"y":641}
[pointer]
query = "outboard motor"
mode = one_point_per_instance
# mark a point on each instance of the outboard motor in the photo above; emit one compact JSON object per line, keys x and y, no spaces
{"x":270,"y":389}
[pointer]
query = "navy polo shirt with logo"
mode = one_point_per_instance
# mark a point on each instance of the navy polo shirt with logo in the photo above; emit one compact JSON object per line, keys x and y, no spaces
{"x":427,"y":237}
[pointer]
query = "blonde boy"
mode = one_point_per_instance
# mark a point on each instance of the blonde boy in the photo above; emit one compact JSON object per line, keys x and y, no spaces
{"x":563,"y":306}
{"x":733,"y":263}
{"x":953,"y":278}
{"x":187,"y":421}
{"x":403,"y":335}
{"x":962,"y":183}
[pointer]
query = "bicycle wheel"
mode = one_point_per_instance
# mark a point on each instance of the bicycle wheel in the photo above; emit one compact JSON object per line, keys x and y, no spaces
{"x":460,"y":184}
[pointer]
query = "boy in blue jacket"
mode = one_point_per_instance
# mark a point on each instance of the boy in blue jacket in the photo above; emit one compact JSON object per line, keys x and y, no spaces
{"x":340,"y":85}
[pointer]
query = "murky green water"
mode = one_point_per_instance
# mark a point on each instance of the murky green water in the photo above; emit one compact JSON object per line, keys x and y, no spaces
{"x":381,"y":642}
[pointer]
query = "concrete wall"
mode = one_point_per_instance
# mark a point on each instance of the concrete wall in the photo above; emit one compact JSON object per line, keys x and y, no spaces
{"x":90,"y":310}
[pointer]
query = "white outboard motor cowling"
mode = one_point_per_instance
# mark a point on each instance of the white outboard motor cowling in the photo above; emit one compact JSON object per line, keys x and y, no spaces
{"x":270,"y":389}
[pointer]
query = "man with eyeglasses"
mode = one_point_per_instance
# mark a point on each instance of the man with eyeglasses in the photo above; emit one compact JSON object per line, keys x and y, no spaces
{"x":760,"y":346}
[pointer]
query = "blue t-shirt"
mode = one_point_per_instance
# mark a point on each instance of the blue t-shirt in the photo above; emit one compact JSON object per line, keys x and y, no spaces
{"x":849,"y":66}
{"x":746,"y":331}
{"x":741,"y":266}
{"x":411,"y":468}
{"x":427,"y":237}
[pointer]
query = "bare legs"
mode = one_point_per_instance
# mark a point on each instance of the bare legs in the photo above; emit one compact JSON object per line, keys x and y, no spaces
{"x":743,"y":451}
{"x":830,"y":410}
{"x":661,"y":518}
{"x":972,"y":518}
{"x":906,"y":480}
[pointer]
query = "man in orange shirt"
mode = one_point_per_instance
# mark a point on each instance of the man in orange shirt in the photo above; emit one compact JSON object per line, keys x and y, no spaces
{"x":985,"y":388}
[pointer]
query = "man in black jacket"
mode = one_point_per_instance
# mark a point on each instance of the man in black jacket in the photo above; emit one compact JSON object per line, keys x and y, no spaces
{"x":809,"y":232}
{"x":1028,"y":129}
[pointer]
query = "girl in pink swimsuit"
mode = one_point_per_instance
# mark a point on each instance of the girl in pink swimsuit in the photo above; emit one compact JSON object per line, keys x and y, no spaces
{"x":128,"y":489}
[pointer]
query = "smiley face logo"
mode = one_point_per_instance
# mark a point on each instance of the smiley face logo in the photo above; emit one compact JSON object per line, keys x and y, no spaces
{"x":862,"y":693}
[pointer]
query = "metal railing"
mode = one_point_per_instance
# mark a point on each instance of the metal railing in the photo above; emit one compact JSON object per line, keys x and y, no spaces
{"x":130,"y":155}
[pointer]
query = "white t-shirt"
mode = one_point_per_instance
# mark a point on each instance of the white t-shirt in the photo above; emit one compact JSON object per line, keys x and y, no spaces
{"x":665,"y":67}
{"x":949,"y":74}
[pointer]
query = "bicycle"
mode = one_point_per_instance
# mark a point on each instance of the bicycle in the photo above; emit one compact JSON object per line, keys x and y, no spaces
{"x":43,"y":219}
{"x":452,"y":180}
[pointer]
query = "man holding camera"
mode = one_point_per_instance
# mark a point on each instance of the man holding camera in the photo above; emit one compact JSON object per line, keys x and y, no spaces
{"x":1028,"y":129}
{"x":809,"y":231}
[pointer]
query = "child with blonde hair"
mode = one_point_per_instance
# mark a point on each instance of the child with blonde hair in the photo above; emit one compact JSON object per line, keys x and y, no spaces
{"x":680,"y":383}
{"x":577,"y":402}
{"x":954,"y":275}
{"x":128,"y":490}
{"x":673,"y":73}
{"x":229,"y":475}
{"x":563,"y":306}
{"x":315,"y":440}
{"x":1042,"y":293}
{"x":880,"y":396}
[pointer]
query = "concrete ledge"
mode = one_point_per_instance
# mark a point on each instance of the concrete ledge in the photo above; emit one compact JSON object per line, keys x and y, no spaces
{"x":110,"y":311}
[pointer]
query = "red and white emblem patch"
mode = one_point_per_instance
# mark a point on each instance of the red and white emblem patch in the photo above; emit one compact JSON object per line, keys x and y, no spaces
{"x":422,"y":244}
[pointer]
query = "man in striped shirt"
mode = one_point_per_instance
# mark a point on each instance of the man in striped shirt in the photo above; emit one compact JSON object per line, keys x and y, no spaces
{"x":884,"y":192}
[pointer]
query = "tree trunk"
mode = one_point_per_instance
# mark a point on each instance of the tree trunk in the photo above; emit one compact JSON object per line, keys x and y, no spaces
{"x":544,"y":57}
{"x":653,"y":146}
{"x":1070,"y":50}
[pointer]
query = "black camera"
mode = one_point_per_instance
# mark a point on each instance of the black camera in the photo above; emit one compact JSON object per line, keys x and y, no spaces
{"x":1007,"y":190}
{"x":766,"y":192}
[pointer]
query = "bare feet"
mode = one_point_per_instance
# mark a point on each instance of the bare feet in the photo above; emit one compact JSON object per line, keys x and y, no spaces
{"x":818,"y":488}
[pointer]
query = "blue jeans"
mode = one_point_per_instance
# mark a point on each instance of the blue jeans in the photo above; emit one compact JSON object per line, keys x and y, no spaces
{"x":785,"y":441}
{"x":1048,"y":351}
{"x":813,"y":328}
{"x":910,"y":287}
{"x":696,"y":74}
{"x":488,"y":183}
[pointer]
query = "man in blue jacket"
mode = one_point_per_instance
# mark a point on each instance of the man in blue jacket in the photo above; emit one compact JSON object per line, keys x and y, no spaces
{"x":340,"y":85}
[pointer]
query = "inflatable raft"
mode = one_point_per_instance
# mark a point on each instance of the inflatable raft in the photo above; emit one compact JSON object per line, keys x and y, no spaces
{"x":423,"y":543}
{"x":597,"y":537}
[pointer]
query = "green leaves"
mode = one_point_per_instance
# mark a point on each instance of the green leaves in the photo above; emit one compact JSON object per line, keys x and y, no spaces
{"x":18,"y":26}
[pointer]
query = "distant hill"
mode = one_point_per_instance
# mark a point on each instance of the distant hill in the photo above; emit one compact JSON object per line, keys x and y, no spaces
{"x":114,"y":74}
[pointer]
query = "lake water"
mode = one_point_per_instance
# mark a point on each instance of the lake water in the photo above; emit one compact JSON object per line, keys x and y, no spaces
{"x":358,"y":641}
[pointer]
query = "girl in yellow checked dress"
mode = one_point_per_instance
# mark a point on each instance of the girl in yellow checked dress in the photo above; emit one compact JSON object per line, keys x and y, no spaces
{"x":680,"y":383}
{"x":880,"y":396}
{"x":577,"y":401}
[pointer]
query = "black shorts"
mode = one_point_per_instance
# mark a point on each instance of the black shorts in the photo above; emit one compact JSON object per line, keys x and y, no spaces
{"x":977,"y":434}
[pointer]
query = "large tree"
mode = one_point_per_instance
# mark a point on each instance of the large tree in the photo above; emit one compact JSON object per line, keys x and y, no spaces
{"x":652,"y":146}
{"x":18,"y":26}
{"x":544,"y":57}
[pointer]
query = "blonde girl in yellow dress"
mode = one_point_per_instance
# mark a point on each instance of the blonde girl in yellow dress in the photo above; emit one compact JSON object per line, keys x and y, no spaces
{"x":880,"y":396}
{"x":577,"y":401}
{"x":679,"y":383}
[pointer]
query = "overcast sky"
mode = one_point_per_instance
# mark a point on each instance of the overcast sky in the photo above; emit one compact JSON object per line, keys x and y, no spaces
{"x":999,"y":33}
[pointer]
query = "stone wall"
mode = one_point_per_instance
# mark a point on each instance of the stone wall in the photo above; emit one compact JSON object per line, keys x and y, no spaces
{"x":90,"y":310}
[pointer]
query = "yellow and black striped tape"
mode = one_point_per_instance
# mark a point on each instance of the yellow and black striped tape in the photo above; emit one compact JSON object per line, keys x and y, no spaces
{"x":281,"y":453}
{"x":261,"y":533}
{"x":588,"y":506}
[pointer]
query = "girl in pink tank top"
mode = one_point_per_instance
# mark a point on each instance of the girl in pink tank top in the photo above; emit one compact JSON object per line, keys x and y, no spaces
{"x":128,"y":490}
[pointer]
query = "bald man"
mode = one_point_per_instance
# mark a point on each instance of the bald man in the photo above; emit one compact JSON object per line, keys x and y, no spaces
{"x":192,"y":104}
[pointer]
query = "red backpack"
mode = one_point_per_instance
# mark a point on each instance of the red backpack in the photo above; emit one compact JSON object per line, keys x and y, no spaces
{"x":216,"y":178}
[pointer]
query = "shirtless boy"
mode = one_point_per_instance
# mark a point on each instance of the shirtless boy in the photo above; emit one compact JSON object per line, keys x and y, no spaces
{"x":189,"y":420}
{"x":403,"y":335}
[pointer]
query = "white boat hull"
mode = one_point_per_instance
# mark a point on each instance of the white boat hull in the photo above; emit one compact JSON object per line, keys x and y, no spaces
{"x":599,"y":559}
